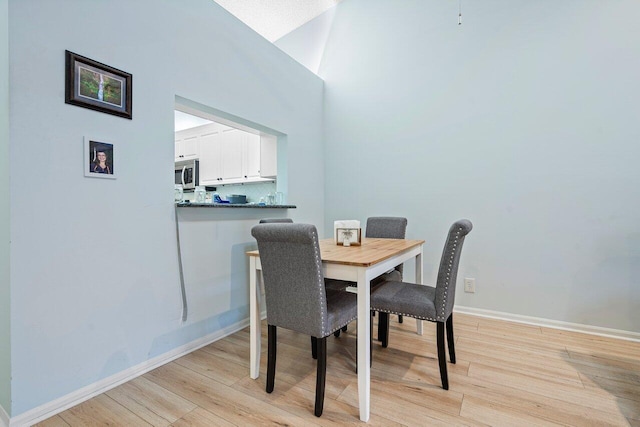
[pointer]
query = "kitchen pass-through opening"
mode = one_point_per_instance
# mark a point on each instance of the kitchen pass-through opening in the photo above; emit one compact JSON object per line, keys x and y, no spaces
{"x":227,"y":155}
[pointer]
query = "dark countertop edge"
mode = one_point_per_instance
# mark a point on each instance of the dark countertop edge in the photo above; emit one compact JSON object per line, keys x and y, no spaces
{"x":230,"y":205}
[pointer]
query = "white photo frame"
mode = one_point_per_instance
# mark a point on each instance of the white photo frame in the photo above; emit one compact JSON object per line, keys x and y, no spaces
{"x":353,"y":235}
{"x":99,"y":159}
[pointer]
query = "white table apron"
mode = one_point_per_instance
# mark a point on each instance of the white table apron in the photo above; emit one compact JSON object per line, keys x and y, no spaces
{"x":359,"y":274}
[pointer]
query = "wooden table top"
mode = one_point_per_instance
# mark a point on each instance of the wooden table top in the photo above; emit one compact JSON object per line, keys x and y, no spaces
{"x":372,"y":251}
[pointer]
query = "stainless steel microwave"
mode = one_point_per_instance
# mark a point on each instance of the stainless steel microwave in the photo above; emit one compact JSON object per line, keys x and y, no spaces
{"x":188,"y":174}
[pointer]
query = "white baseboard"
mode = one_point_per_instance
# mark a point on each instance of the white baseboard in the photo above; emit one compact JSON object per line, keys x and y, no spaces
{"x":556,"y":324}
{"x":4,"y":417}
{"x":54,"y":407}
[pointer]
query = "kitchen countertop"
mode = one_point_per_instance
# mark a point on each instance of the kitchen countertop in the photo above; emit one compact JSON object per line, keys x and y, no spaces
{"x":233,"y":205}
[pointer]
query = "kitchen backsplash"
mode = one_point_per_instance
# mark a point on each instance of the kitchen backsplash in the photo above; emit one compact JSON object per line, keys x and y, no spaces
{"x":253,"y":191}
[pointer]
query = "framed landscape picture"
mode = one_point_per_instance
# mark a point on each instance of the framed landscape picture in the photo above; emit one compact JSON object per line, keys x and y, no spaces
{"x":99,"y":159}
{"x":97,"y":86}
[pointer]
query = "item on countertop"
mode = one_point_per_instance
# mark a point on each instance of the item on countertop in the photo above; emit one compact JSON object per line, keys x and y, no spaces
{"x":271,"y":199}
{"x":179,"y":193}
{"x":237,"y":199}
{"x":279,"y":198}
{"x":200,"y":194}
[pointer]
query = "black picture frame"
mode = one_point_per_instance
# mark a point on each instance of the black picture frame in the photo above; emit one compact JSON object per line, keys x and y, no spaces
{"x":91,"y":84}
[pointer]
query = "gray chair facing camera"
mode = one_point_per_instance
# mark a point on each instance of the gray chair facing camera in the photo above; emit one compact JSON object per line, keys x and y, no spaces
{"x":422,"y":302}
{"x":296,"y":297}
{"x":275,"y":220}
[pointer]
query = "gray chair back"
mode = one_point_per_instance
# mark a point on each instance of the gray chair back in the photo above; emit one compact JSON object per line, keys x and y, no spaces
{"x":293,"y":280}
{"x":275,"y":220}
{"x":448,"y":271}
{"x":387,"y":227}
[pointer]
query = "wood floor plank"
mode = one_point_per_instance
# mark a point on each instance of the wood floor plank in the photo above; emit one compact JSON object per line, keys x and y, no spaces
{"x":625,"y":388}
{"x":201,"y":418}
{"x":554,"y":365}
{"x":55,"y":421}
{"x":212,"y":366}
{"x":514,"y":339}
{"x":100,"y":411}
{"x":300,"y":401}
{"x":217,"y":398}
{"x":594,"y":342}
{"x":629,"y":408}
{"x":605,"y":362}
{"x":493,"y":413}
{"x":398,"y":409}
{"x":595,"y":398}
{"x":538,"y":405}
{"x":156,"y":405}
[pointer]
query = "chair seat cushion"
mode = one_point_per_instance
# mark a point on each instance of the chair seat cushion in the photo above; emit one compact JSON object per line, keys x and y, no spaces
{"x":393,"y":276}
{"x":407,"y":299}
{"x":342,"y":308}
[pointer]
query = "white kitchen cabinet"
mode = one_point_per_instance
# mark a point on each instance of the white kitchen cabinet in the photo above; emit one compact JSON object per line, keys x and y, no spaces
{"x":227,"y":155}
{"x":210,"y":158}
{"x":251,"y":156}
{"x":187,"y":148}
{"x":268,"y":156}
{"x":231,"y":153}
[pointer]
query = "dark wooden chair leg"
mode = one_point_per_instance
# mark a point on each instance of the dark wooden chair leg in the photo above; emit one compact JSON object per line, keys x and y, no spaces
{"x":399,"y":318}
{"x":337,"y":333}
{"x":450,"y":339}
{"x":321,"y":375}
{"x":271,"y":357}
{"x":442,"y":357}
{"x":383,"y":329}
{"x":314,"y":347}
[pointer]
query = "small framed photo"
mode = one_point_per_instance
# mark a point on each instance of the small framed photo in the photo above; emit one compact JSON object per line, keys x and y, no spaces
{"x":97,"y":86}
{"x":99,"y":159}
{"x":348,"y":236}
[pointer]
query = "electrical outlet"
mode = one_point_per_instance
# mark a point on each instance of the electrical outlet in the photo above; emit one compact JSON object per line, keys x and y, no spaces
{"x":469,"y":284}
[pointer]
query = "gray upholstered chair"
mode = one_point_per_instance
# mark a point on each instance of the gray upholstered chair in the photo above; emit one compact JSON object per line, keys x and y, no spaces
{"x":381,"y":227}
{"x":296,"y":297}
{"x":275,"y":220}
{"x":387,"y":227}
{"x":426,"y":302}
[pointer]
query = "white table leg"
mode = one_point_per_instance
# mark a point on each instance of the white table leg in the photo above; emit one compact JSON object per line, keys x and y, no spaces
{"x":364,"y":337}
{"x":254,"y":319}
{"x":419,"y":280}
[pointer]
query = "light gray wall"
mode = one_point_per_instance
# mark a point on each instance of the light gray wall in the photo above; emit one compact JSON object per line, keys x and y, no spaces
{"x":95,"y":283}
{"x":523,"y":119}
{"x":5,"y":297}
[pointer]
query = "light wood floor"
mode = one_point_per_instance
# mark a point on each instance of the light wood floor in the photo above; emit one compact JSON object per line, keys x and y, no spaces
{"x":507,"y":374}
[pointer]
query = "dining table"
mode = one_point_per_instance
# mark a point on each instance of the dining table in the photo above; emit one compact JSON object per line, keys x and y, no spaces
{"x":355,"y":263}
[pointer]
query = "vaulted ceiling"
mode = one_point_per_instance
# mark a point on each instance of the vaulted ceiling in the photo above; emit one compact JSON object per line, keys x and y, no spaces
{"x":274,"y":18}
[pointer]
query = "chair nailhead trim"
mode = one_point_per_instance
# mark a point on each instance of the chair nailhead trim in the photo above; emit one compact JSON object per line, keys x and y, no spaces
{"x":441,"y":315}
{"x":340,"y":327}
{"x":323,"y":302}
{"x":404,"y":314}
